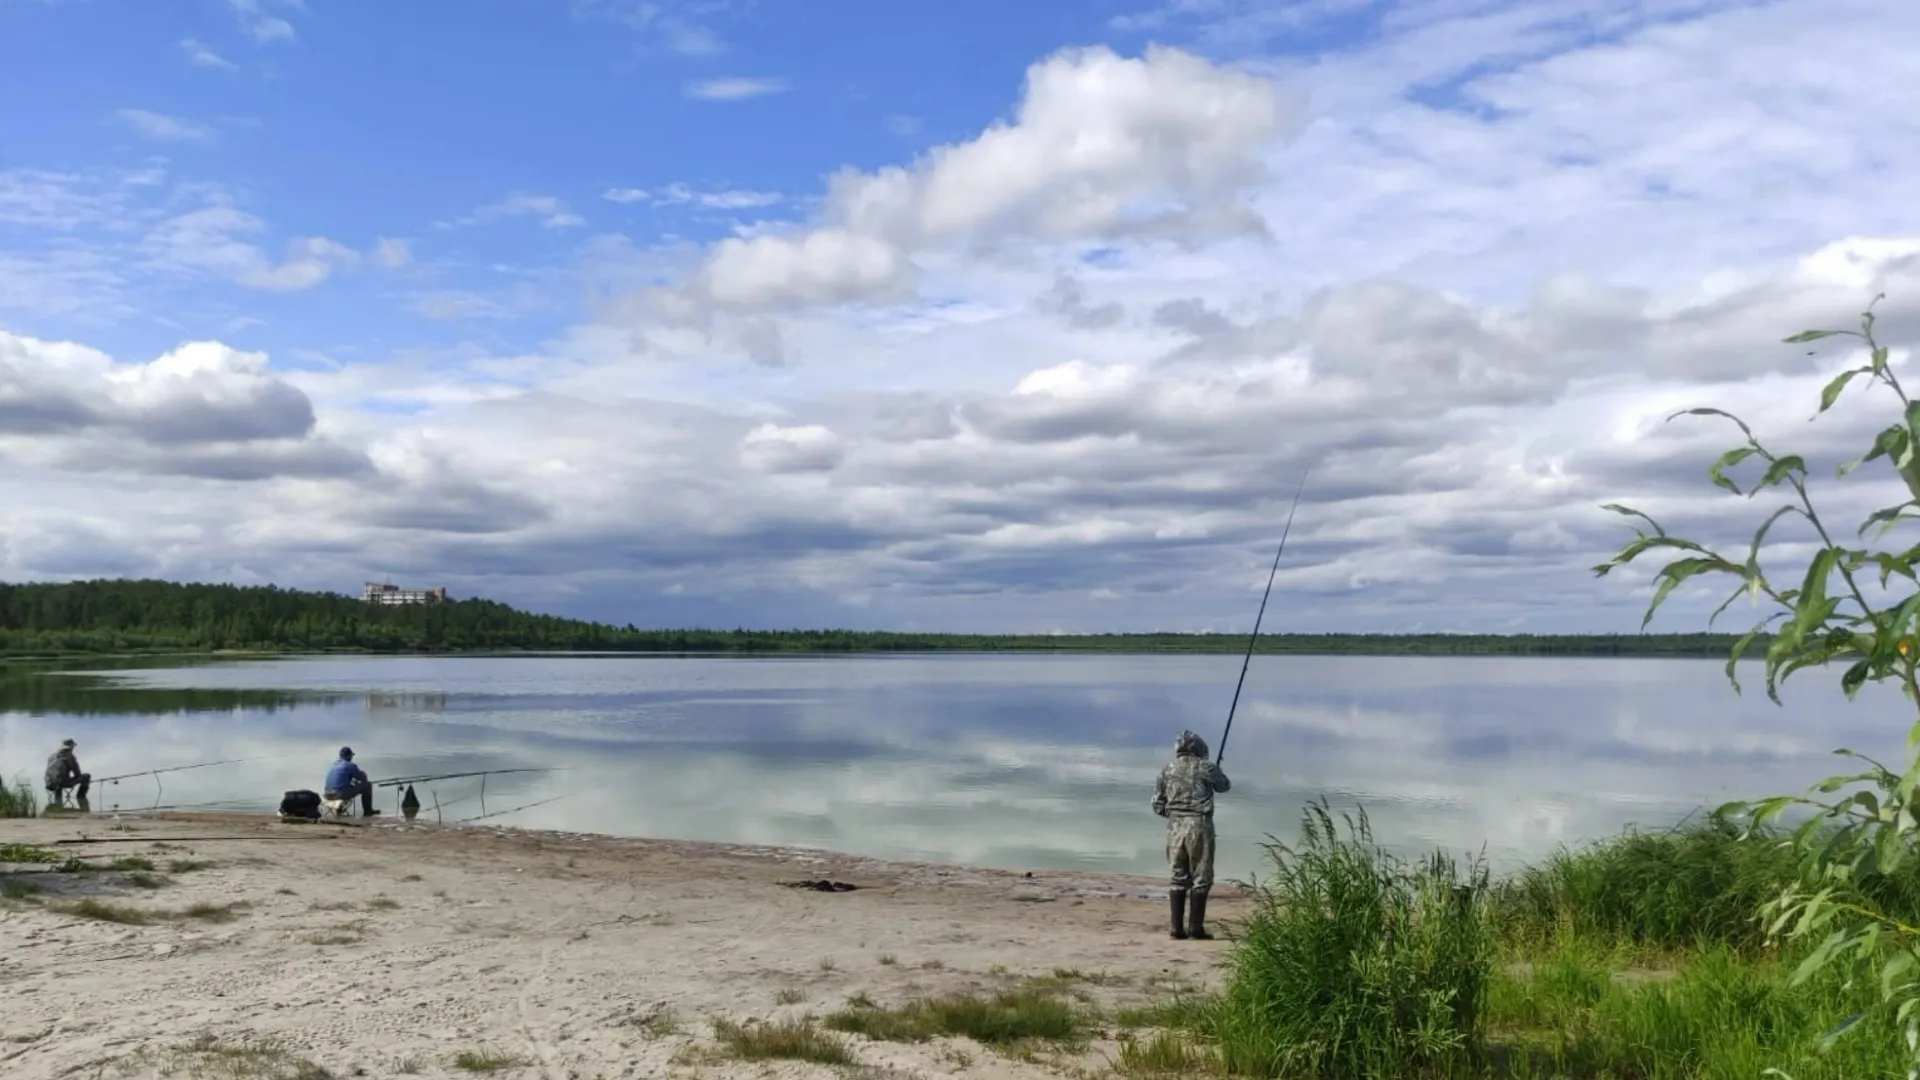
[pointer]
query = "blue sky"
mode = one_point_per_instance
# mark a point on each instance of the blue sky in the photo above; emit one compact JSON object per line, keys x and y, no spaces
{"x":972,"y":316}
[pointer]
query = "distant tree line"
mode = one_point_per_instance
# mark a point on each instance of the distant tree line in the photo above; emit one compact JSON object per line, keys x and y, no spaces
{"x":116,"y":616}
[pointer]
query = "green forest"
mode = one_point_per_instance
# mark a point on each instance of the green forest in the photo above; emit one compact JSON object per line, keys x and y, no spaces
{"x":108,"y":616}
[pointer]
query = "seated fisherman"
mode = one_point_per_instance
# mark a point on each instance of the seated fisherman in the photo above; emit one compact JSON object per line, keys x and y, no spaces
{"x":345,"y":780}
{"x":63,"y":772}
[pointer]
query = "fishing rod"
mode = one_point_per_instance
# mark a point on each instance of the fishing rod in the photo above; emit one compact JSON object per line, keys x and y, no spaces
{"x":176,"y":768}
{"x":425,"y":778}
{"x":515,"y":810}
{"x":160,"y":788}
{"x":1222,"y":754}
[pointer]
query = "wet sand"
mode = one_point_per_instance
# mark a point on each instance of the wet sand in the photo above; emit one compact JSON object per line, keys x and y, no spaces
{"x":390,"y":949}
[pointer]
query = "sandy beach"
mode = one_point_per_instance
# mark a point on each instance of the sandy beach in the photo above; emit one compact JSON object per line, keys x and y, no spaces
{"x":393,"y":949}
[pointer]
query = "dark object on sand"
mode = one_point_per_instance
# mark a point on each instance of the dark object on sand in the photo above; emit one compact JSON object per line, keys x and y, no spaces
{"x":822,"y":885}
{"x":410,"y":804}
{"x":300,"y":804}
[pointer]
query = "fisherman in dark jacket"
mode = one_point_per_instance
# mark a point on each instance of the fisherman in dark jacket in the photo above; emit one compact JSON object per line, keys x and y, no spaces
{"x":345,"y":780}
{"x":63,"y":773}
{"x":1184,"y":796}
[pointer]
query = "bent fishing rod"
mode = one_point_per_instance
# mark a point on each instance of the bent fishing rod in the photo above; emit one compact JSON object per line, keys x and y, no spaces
{"x":424,"y":778}
{"x":1221,"y":755}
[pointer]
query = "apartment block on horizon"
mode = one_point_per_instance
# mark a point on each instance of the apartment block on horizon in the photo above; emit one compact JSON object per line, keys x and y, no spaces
{"x":386,"y":592}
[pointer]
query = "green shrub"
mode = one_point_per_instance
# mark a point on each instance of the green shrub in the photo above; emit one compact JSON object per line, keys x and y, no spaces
{"x":1354,"y":964}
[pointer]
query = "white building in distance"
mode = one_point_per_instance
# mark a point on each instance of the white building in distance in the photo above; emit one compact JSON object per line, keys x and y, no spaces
{"x":386,"y":592}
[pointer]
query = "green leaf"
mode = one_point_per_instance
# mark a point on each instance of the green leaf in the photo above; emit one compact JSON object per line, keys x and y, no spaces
{"x":1831,"y":392}
{"x":1819,"y":957}
{"x":1897,"y":965}
{"x":1780,"y":470}
{"x":1674,"y":573}
{"x":1855,"y":678}
{"x":1889,"y":852}
{"x":1815,"y":904}
{"x":1805,"y":336}
{"x":1811,"y":610}
{"x":1879,"y":364}
{"x":1740,"y":647}
{"x":1760,"y":535}
{"x":1833,"y":1036}
{"x":1744,"y":429}
{"x":1893,"y":564}
{"x":1869,"y":801}
{"x":1631,"y":512}
{"x":1728,"y":460}
{"x":1890,"y":442}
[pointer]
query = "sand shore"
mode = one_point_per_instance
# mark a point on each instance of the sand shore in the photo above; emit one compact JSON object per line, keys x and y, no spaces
{"x":390,"y":950}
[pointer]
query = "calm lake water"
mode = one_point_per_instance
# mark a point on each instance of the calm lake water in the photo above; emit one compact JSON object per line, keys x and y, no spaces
{"x":1028,"y":761}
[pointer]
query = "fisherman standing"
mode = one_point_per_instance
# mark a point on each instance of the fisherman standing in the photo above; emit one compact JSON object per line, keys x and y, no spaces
{"x":1184,"y":796}
{"x":346,"y":780}
{"x":63,"y":772}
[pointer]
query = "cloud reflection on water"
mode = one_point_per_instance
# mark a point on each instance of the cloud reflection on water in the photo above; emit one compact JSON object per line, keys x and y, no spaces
{"x":1026,"y":761}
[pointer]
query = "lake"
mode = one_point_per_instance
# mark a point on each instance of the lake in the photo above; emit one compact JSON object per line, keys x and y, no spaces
{"x":1023,"y":761}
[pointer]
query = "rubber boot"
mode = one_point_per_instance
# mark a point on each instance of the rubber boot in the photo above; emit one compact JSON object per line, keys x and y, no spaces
{"x":1178,"y":902}
{"x":1197,"y":918}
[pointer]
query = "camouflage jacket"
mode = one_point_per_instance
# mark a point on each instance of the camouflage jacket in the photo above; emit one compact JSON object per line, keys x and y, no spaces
{"x":62,"y":768}
{"x":1186,"y":787}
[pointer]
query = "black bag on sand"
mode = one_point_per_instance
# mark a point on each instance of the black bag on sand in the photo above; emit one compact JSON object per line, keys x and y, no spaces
{"x":300,"y":804}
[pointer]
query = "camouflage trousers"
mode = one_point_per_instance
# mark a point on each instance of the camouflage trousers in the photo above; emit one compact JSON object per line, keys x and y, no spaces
{"x":1190,"y":852}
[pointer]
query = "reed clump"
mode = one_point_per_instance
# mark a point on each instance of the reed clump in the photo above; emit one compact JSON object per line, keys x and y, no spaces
{"x":17,"y":800}
{"x":1353,"y":962}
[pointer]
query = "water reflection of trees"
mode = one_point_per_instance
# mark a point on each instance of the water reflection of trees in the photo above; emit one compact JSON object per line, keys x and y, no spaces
{"x":38,"y":690}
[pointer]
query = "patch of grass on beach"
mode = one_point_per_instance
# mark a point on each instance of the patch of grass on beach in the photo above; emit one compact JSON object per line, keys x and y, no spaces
{"x":1016,"y":1016}
{"x":218,"y":913}
{"x":101,"y":911}
{"x":126,"y":915}
{"x":210,"y":1057}
{"x":1164,"y":1053}
{"x":788,"y":1040}
{"x":347,"y":933}
{"x":485,"y":1061}
{"x":32,"y":854}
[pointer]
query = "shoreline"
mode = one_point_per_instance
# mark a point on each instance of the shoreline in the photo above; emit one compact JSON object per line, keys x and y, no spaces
{"x":395,"y":944}
{"x":1035,"y":882}
{"x":776,"y":644}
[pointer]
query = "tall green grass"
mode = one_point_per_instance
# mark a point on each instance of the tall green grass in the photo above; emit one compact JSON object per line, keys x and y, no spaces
{"x":17,"y":800}
{"x":1696,"y":885}
{"x":1354,"y":963}
{"x":1638,"y":957}
{"x":1721,"y":1016}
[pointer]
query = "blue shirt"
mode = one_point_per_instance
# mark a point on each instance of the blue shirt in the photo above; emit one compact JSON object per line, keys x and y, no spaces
{"x":342,"y":775}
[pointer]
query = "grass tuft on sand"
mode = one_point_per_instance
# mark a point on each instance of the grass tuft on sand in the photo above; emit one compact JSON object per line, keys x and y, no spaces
{"x":788,"y":1040}
{"x":211,"y":1057}
{"x":1004,"y":1019}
